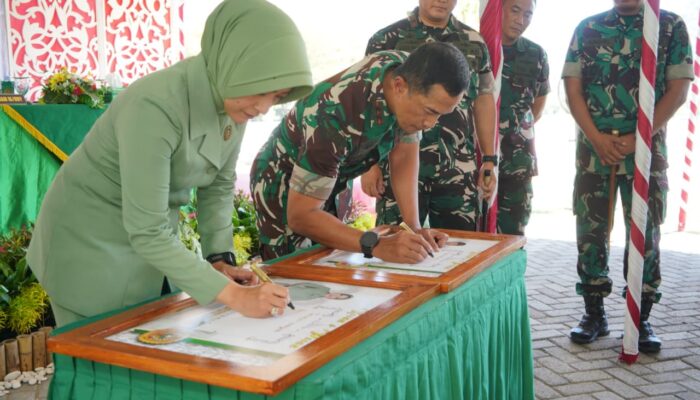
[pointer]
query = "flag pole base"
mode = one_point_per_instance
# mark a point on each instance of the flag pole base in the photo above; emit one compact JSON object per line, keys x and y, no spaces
{"x":628,"y":359}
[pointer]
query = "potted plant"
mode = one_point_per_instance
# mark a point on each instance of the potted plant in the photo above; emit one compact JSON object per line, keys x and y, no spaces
{"x":245,"y":233}
{"x":23,"y":302}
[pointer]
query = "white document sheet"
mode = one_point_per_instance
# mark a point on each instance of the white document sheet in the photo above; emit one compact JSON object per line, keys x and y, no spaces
{"x":455,"y":252}
{"x":320,"y":308}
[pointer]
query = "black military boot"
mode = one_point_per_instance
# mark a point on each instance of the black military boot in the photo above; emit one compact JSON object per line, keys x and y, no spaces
{"x":648,"y":342}
{"x":594,"y":323}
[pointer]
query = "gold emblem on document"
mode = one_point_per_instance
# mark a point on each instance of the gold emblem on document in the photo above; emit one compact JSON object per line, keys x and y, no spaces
{"x":161,"y":336}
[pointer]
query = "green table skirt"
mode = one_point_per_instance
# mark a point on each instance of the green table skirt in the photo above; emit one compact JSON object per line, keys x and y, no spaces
{"x":26,"y":172}
{"x":472,"y":343}
{"x":34,"y":141}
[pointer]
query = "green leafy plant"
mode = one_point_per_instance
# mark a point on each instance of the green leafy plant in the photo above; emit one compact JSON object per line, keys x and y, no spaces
{"x":246,"y":239}
{"x":187,"y":225}
{"x":23,"y":302}
{"x":27,"y":308}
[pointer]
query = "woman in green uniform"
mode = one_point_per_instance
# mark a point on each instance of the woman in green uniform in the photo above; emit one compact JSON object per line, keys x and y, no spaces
{"x":106,"y":234}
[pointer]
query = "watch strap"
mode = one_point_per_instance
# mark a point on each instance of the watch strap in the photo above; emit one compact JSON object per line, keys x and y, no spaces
{"x":226,"y":257}
{"x":493,"y":159}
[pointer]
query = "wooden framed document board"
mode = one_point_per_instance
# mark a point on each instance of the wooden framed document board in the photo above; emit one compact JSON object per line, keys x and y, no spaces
{"x":464,"y":255}
{"x":214,"y":345}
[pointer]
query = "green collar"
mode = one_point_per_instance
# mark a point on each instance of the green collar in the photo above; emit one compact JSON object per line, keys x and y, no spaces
{"x":614,"y":16}
{"x":414,"y":19}
{"x":519,"y":45}
{"x":204,"y":120}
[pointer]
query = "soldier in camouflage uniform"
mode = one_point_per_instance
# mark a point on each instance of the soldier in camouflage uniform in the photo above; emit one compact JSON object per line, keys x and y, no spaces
{"x":447,"y":184}
{"x":602,"y":84}
{"x":373,"y":110}
{"x":525,"y":85}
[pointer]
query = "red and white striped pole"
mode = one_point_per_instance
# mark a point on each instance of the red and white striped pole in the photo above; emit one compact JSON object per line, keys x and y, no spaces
{"x":490,"y":21}
{"x":692,"y":120}
{"x":640,"y":194}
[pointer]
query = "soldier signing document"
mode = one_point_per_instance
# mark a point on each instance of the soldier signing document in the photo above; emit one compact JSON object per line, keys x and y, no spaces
{"x":373,"y":110}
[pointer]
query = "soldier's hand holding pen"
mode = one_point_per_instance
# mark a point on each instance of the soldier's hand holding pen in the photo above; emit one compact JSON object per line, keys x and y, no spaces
{"x":436,"y":239}
{"x":402,"y":247}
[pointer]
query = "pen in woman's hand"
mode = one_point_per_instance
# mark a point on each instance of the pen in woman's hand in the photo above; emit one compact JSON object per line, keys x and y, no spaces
{"x":264,"y":278}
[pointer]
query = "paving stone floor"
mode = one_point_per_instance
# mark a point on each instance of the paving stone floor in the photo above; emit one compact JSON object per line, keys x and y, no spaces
{"x":564,"y":370}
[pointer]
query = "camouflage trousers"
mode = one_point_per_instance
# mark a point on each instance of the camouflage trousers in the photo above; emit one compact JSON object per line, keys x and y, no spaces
{"x":447,"y":200}
{"x":514,"y":204}
{"x":590,"y":205}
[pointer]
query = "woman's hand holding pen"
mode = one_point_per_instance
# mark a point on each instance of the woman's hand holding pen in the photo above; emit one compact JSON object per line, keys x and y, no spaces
{"x":236,"y":274}
{"x":261,"y":301}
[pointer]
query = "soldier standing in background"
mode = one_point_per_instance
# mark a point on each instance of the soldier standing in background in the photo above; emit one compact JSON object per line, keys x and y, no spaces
{"x":447,"y":181}
{"x":524,"y":89}
{"x":601,"y":76}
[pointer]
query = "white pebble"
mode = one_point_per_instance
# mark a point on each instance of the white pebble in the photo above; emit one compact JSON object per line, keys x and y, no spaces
{"x":8,"y":385}
{"x":38,"y":369}
{"x":50,"y":366}
{"x":12,"y":376}
{"x":32,"y":381}
{"x":16,"y":384}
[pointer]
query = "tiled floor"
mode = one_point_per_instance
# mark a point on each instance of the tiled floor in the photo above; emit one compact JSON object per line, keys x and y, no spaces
{"x":564,"y":370}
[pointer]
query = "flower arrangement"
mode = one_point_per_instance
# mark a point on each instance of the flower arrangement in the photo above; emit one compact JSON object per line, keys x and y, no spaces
{"x":64,"y":87}
{"x":23,"y":302}
{"x":359,"y":217}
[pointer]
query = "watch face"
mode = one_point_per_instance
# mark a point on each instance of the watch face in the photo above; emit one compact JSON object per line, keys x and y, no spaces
{"x":369,"y":239}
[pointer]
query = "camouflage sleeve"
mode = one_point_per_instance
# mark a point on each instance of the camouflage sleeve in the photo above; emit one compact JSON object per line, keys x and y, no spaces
{"x":542,"y":84}
{"x":311,"y":184}
{"x":409,"y":137}
{"x":326,"y":144}
{"x":680,"y":58}
{"x":376,"y":43}
{"x":486,"y":81}
{"x":572,"y":64}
